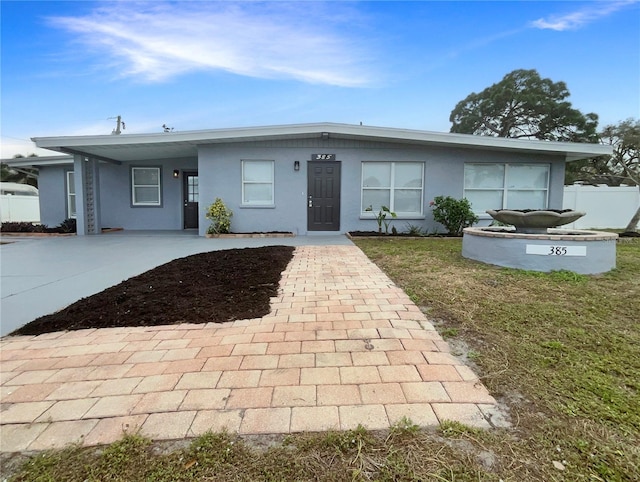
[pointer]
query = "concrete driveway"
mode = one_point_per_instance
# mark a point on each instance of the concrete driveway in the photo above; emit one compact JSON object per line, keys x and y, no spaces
{"x":43,"y":275}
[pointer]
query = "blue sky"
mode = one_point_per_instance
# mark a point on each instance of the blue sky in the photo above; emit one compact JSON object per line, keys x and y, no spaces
{"x":67,"y":67}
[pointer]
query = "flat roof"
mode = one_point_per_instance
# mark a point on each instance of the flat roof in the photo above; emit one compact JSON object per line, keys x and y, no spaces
{"x":134,"y":147}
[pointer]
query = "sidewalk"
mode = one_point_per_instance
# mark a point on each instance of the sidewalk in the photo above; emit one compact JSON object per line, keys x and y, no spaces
{"x":342,"y":346}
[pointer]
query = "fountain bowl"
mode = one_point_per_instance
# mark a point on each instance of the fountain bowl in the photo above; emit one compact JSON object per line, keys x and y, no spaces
{"x":535,"y":220}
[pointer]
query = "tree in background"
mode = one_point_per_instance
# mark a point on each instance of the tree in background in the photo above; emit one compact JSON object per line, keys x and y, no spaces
{"x":21,"y":176}
{"x":625,"y":161}
{"x":623,"y":167}
{"x":625,"y":139}
{"x":524,"y":105}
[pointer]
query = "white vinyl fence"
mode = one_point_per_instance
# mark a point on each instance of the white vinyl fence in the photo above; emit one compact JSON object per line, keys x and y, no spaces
{"x":19,"y":203}
{"x":606,"y":206}
{"x":14,"y":208}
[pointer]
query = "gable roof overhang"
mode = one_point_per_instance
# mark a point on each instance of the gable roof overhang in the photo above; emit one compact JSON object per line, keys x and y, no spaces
{"x":137,"y":147}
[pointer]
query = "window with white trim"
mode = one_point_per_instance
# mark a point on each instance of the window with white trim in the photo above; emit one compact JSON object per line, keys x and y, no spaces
{"x":71,"y":195}
{"x":257,"y":183}
{"x":145,"y":186}
{"x":506,"y":186}
{"x":397,"y":185}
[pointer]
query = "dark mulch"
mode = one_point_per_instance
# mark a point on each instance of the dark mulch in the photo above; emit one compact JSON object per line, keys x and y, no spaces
{"x":558,"y":211}
{"x":399,"y":235}
{"x":65,"y":227}
{"x":214,"y":287}
{"x":368,"y":233}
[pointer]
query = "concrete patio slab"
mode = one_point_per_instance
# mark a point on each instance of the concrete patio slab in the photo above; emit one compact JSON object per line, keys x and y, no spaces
{"x":297,"y":369}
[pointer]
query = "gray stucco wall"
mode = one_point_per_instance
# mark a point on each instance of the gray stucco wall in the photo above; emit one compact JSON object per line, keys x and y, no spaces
{"x":52,"y":193}
{"x":220,"y":171}
{"x":115,"y":196}
{"x":220,"y":174}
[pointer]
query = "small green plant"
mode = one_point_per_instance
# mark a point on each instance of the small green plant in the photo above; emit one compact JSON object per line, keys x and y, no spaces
{"x":68,"y":226}
{"x":473,"y":355}
{"x":220,"y":217}
{"x":499,"y":224}
{"x":413,"y":230}
{"x":552,"y":345}
{"x":381,"y":217}
{"x":449,"y":333}
{"x":451,"y":428}
{"x":124,"y":451}
{"x":404,"y":426}
{"x":453,"y":214}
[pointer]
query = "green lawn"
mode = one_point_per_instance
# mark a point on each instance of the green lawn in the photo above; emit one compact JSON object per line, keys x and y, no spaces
{"x":561,"y":351}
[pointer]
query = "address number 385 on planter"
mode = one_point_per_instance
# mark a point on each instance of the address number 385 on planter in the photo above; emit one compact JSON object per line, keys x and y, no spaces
{"x":555,"y":250}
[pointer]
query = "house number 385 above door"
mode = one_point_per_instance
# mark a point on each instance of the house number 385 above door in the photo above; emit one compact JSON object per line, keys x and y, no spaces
{"x":323,"y":157}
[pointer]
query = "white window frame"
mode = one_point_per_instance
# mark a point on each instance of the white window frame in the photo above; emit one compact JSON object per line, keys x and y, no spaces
{"x":392,"y":188}
{"x":134,"y":202}
{"x":245,"y":165}
{"x":505,"y":183}
{"x":70,"y":180}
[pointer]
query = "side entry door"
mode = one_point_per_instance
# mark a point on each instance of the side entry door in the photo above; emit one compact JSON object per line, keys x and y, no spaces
{"x":190,"y":197}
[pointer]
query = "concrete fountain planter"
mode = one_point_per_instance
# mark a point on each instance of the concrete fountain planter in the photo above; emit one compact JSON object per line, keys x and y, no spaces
{"x":532,"y":243}
{"x":535,"y":221}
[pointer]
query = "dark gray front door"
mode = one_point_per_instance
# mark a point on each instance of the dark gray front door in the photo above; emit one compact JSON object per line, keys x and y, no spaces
{"x":323,"y":211}
{"x":190,"y":197}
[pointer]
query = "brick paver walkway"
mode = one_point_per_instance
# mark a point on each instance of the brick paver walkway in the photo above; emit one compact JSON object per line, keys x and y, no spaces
{"x":342,"y":346}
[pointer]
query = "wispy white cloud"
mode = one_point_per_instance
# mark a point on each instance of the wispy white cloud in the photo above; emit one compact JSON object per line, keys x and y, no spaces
{"x":581,"y":17}
{"x":309,"y":42}
{"x":481,"y":42}
{"x":10,"y":146}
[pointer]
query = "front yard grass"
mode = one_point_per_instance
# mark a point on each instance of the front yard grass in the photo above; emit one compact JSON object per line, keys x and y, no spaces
{"x":561,"y":351}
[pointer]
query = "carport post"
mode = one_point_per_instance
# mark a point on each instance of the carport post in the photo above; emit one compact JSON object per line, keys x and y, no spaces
{"x":87,"y":186}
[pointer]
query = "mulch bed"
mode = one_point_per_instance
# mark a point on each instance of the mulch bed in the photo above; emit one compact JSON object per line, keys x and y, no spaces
{"x":217,"y":286}
{"x":367,"y":234}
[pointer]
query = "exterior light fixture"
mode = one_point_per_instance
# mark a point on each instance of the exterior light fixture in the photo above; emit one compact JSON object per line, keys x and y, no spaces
{"x":325,"y":135}
{"x":296,"y":165}
{"x":176,"y":173}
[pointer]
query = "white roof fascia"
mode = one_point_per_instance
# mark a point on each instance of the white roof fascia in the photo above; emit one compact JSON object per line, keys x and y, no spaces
{"x":572,"y":151}
{"x":38,"y":161}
